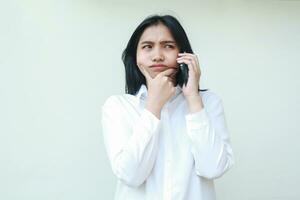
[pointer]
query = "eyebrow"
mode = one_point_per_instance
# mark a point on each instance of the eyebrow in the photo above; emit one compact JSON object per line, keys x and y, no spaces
{"x":162,"y":42}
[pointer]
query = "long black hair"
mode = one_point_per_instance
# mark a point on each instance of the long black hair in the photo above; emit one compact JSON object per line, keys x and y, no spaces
{"x":134,"y":78}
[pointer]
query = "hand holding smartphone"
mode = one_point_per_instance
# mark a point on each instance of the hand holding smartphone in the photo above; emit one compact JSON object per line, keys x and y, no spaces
{"x":183,"y":74}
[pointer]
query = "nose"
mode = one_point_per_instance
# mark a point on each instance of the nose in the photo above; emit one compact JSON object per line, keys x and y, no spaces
{"x":157,"y":55}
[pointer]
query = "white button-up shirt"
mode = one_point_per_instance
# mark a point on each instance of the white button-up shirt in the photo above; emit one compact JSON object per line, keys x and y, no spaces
{"x":175,"y":157}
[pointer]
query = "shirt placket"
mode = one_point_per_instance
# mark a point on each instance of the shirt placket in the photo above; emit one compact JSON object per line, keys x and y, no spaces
{"x":169,"y":156}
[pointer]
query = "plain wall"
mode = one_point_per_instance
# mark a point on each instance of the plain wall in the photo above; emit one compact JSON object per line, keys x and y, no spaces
{"x":60,"y":60}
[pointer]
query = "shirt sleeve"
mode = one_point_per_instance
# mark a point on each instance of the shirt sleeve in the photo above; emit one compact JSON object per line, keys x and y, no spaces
{"x":131,"y":147}
{"x":210,"y":142}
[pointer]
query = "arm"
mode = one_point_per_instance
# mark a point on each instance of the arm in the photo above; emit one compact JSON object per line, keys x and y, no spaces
{"x":209,"y":137}
{"x":131,"y":150}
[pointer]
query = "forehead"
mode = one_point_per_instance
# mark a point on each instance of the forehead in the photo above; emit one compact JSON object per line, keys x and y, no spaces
{"x":158,"y":32}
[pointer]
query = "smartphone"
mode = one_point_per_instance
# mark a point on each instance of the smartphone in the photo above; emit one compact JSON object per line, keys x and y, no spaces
{"x":183,"y":74}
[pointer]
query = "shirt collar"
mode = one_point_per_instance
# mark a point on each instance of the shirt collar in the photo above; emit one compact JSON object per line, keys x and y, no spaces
{"x":143,"y":92}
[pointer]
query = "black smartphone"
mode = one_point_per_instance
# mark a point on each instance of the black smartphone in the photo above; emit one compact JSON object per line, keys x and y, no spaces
{"x":182,"y":74}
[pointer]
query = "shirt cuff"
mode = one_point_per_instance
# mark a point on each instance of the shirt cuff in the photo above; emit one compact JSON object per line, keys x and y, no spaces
{"x":149,"y":116}
{"x":196,"y":120}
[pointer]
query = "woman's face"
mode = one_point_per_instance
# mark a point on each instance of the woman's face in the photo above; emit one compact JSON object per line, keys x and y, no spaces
{"x":157,"y":50}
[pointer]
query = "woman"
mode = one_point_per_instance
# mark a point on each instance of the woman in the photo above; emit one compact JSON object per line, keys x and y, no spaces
{"x":164,"y":139}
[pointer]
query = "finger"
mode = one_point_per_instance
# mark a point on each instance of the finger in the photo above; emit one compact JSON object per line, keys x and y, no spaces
{"x":187,"y":54}
{"x":171,"y":79}
{"x":167,"y":72}
{"x":197,"y":63}
{"x":190,"y":56}
{"x":186,"y":61}
{"x":191,"y":62}
{"x":197,"y":57}
{"x":191,"y":70}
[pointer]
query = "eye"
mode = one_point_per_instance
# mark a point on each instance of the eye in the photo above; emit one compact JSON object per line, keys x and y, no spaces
{"x":169,"y":46}
{"x":146,"y":46}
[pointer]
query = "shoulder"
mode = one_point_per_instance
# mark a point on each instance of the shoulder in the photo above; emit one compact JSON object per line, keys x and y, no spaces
{"x":117,"y":101}
{"x":111,"y":100}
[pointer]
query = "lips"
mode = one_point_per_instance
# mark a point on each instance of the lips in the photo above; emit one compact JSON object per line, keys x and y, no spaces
{"x":159,"y":66}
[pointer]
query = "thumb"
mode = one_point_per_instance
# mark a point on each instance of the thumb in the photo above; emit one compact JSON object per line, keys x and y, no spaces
{"x":168,"y":72}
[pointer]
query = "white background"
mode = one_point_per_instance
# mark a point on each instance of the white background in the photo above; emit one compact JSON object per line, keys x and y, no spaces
{"x":60,"y":60}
